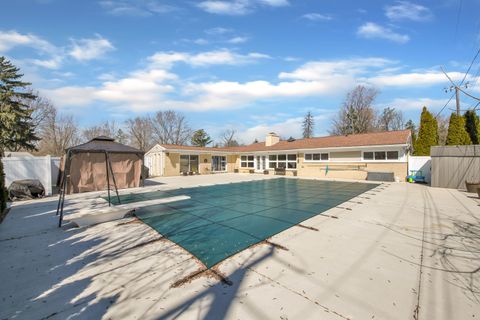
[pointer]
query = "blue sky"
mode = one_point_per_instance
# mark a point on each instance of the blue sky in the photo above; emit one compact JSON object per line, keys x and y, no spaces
{"x":251,"y":65}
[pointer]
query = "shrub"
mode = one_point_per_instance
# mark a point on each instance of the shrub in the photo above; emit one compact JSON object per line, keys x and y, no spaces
{"x":457,"y":135}
{"x":472,"y":125}
{"x":427,"y":134}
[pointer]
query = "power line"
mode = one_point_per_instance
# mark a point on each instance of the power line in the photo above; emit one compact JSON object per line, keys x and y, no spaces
{"x":476,"y":106}
{"x":471,"y":64}
{"x":446,"y":104}
{"x":458,"y":19}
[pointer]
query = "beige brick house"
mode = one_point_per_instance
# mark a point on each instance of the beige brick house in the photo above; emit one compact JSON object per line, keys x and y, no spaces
{"x":350,"y":157}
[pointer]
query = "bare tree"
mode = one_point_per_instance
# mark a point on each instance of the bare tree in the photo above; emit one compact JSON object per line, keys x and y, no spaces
{"x":170,"y":127}
{"x":228,"y":138}
{"x":57,"y":133}
{"x":140,"y":132}
{"x":390,"y":119}
{"x":107,"y":128}
{"x":442,"y":129}
{"x":356,"y":114}
{"x":42,"y":108}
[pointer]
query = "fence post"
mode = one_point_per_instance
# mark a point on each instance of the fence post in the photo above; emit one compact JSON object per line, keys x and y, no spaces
{"x":48,"y":187}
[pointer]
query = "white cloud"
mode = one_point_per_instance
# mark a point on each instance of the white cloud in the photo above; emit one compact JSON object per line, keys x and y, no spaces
{"x":275,"y":3}
{"x":156,"y":87}
{"x":372,"y":30}
{"x":53,"y":63}
{"x":89,"y":49}
{"x":335,"y":69}
{"x":317,"y":16}
{"x":135,"y":7}
{"x":237,"y":7}
{"x":291,"y":59}
{"x":411,"y":79}
{"x":404,"y":10}
{"x":12,"y":38}
{"x":218,"y":31}
{"x":216,"y":57}
{"x":141,"y":90}
{"x":291,"y":127}
{"x":237,"y":40}
{"x":414,"y":104}
{"x":200,"y":41}
{"x":70,"y":95}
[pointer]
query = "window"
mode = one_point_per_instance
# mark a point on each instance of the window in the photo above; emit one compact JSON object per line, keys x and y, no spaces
{"x":219,"y":163}
{"x":287,"y":161}
{"x":392,"y":155}
{"x":316,"y":157}
{"x":188,"y":163}
{"x":247,"y":161}
{"x":368,"y":156}
{"x":381,"y":155}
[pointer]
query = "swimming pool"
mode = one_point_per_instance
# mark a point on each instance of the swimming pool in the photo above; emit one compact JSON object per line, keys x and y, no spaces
{"x":221,"y":220}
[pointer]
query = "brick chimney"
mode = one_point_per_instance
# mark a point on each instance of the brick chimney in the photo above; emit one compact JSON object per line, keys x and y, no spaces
{"x":271,"y":139}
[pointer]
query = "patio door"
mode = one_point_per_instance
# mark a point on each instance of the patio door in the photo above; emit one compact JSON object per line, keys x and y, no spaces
{"x":261,"y":164}
{"x":188,"y":163}
{"x":219,"y":163}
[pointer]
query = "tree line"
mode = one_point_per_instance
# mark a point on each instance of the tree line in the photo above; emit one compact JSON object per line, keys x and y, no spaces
{"x":357,"y":115}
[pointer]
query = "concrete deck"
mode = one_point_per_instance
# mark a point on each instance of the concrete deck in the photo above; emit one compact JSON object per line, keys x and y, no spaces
{"x":403,"y":251}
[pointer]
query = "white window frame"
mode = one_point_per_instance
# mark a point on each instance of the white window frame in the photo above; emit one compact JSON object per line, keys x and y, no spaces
{"x":286,"y":161}
{"x":223,"y":159}
{"x":189,"y":161}
{"x":381,"y":160}
{"x":316,"y":161}
{"x":247,"y":161}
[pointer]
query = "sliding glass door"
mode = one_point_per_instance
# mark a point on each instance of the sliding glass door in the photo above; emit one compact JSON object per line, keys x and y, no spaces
{"x":188,"y":163}
{"x":219,"y":163}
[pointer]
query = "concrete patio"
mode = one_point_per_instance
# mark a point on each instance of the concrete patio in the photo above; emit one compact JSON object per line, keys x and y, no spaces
{"x":400,"y":251}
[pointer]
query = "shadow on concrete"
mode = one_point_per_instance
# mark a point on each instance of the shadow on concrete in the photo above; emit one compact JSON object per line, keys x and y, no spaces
{"x":221,"y":295}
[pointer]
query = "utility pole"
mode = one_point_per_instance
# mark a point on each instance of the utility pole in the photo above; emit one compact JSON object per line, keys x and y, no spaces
{"x":457,"y":99}
{"x":458,"y":89}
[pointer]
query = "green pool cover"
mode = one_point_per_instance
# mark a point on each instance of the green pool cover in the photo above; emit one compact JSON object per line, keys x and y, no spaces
{"x":219,"y":221}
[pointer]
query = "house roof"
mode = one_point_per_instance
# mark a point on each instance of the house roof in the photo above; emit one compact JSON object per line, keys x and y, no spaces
{"x":104,"y":144}
{"x":401,"y":137}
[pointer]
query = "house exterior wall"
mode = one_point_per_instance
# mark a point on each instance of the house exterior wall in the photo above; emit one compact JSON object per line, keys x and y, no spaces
{"x":172,"y":164}
{"x":205,"y":163}
{"x":233,"y":162}
{"x":346,"y":155}
{"x":346,"y":164}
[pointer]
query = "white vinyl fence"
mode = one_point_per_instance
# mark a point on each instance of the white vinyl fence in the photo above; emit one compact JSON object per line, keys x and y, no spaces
{"x":423,"y":164}
{"x":44,"y":169}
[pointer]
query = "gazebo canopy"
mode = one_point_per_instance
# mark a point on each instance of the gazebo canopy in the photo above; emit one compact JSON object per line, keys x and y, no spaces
{"x":104,"y":144}
{"x":98,"y":164}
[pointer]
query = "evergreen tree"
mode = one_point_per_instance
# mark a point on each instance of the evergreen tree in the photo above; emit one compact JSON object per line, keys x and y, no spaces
{"x":200,"y":138}
{"x":410,"y":125}
{"x":16,"y":125}
{"x":427,"y":134}
{"x":121,"y":137}
{"x":472,"y":125}
{"x":308,"y":125}
{"x":457,"y":135}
